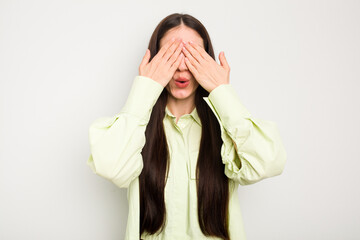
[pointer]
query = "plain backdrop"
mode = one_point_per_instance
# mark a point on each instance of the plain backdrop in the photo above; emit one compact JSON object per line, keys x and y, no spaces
{"x":65,"y":63}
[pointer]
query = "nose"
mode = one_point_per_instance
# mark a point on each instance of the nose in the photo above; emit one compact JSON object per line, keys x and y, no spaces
{"x":182,"y":66}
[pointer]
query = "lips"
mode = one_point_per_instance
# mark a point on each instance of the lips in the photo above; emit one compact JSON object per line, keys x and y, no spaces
{"x":181,"y":79}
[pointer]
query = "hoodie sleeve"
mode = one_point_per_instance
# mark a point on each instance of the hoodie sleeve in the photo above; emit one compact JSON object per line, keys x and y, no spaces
{"x":252,"y":148}
{"x":116,"y":142}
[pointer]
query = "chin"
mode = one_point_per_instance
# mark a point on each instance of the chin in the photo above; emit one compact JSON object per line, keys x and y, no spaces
{"x":178,"y":94}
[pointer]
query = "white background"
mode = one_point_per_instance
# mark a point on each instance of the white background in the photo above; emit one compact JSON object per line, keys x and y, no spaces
{"x":65,"y":63}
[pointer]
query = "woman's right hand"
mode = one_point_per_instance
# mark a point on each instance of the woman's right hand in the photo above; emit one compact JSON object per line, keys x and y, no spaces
{"x":164,"y":63}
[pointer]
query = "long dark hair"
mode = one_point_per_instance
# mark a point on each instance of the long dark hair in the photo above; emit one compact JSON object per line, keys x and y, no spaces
{"x":212,"y":184}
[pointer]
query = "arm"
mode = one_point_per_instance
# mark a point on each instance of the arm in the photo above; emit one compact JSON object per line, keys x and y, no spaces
{"x":252,"y":148}
{"x":116,"y":142}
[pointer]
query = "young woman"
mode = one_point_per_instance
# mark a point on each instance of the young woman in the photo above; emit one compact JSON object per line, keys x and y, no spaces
{"x":183,"y":141}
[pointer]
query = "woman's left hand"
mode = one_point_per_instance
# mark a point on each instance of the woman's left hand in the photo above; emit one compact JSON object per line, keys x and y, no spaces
{"x":204,"y":68}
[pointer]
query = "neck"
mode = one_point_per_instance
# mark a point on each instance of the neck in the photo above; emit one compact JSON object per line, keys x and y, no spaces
{"x":179,"y":107}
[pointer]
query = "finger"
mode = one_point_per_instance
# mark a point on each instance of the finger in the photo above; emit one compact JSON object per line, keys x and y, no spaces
{"x":164,"y":48}
{"x":145,"y":59}
{"x":223,"y":61}
{"x":191,"y":59}
{"x":175,"y":54}
{"x":201,"y":51}
{"x":191,"y":67}
{"x":177,"y":62}
{"x":191,"y":53}
{"x":195,"y":54}
{"x":171,"y":49}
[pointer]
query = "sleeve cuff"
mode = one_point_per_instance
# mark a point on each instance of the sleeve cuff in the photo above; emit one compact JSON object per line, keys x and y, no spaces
{"x":228,"y":106}
{"x":143,"y":95}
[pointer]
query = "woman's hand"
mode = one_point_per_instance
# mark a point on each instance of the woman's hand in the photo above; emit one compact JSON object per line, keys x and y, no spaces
{"x":204,"y":68}
{"x":164,"y":64}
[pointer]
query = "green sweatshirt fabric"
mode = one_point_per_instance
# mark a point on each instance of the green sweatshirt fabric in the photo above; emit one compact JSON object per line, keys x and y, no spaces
{"x":252,"y":150}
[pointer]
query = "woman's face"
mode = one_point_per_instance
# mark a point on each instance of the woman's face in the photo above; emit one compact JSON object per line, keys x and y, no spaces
{"x":175,"y":89}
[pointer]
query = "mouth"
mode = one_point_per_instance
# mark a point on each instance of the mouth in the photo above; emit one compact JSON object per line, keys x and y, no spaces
{"x":182,"y":80}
